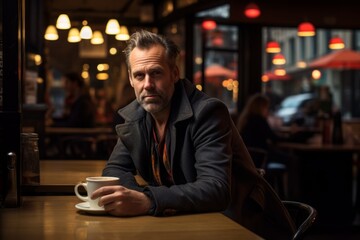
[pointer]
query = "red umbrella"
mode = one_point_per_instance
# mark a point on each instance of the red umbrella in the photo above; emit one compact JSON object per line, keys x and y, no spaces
{"x":272,"y":76}
{"x":215,"y":74}
{"x":341,"y":59}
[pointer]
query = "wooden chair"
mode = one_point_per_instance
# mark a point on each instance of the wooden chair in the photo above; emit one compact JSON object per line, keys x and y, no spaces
{"x":303,"y":216}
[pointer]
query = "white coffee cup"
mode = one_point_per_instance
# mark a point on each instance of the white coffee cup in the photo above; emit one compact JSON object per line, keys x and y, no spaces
{"x":91,"y":184}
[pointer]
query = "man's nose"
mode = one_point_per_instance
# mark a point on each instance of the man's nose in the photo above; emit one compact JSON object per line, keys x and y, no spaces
{"x":149,"y":83}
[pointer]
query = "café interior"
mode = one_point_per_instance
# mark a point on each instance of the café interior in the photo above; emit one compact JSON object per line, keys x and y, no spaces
{"x":230,"y":50}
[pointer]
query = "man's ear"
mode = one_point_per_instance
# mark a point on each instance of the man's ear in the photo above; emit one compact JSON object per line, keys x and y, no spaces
{"x":176,"y":73}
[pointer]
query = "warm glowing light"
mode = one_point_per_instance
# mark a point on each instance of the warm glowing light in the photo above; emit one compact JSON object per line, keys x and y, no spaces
{"x":280,"y":72}
{"x":112,"y":51}
{"x":336,"y":43}
{"x":37,"y":59}
{"x":102,"y":67}
{"x":273,"y":47}
{"x":102,"y":76}
{"x":252,"y":10}
{"x":51,"y":33}
{"x":123,"y":35}
{"x":265,"y":78}
{"x":198,"y":60}
{"x":301,"y":64}
{"x":316,"y":74}
{"x":85,"y":74}
{"x":306,"y":29}
{"x":86,"y":32}
{"x":63,"y":22}
{"x":199,"y":87}
{"x":208,"y":24}
{"x":74,"y":35}
{"x":97,"y":38}
{"x":279,"y":59}
{"x":112,"y":27}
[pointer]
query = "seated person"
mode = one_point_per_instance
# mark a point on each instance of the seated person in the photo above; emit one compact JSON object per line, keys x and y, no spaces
{"x":79,"y":105}
{"x":181,"y":142}
{"x":255,"y":129}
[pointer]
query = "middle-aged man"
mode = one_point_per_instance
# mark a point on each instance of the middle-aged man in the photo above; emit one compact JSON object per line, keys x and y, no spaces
{"x":185,"y":146}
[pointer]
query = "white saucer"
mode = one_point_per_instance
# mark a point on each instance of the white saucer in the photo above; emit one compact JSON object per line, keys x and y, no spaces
{"x":84,"y":206}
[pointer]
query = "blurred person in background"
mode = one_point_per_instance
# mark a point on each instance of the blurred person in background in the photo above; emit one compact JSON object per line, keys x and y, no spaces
{"x":79,"y":107}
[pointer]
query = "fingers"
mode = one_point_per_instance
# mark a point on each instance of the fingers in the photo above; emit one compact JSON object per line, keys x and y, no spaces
{"x":106,"y":191}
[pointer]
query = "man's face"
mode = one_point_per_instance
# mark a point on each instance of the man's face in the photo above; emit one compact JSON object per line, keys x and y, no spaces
{"x":152,"y":78}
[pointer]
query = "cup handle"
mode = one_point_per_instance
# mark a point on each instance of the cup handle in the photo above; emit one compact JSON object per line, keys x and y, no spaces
{"x":81,"y":197}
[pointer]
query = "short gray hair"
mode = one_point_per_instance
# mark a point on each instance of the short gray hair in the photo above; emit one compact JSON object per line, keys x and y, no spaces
{"x":144,"y":40}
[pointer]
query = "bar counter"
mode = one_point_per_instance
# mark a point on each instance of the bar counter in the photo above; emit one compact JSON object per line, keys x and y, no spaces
{"x":55,"y":217}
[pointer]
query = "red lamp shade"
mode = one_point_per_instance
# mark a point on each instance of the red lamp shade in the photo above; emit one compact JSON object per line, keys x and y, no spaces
{"x":336,"y":43}
{"x":273,"y":47}
{"x":208,"y":24}
{"x":252,"y":11}
{"x":306,"y":29}
{"x":279,"y":59}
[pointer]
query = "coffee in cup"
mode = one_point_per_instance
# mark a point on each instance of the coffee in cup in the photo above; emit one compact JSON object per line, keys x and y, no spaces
{"x":91,"y":184}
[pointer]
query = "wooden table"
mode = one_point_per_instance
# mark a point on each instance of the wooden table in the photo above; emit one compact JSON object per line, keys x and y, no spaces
{"x":55,"y":217}
{"x":323,"y":176}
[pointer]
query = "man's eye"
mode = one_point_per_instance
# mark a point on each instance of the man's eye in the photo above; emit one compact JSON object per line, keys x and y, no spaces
{"x":139,"y":76}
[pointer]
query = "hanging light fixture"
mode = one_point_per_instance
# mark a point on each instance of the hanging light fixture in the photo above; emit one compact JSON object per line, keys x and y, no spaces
{"x":86,"y":32}
{"x":252,"y":10}
{"x":63,"y":22}
{"x":306,"y":29}
{"x":51,"y":33}
{"x":336,"y":43}
{"x":208,"y":24}
{"x":112,"y":27}
{"x":280,"y":72}
{"x":123,"y":35}
{"x":279,"y":59}
{"x":273,"y":47}
{"x":97,"y":38}
{"x":74,"y":35}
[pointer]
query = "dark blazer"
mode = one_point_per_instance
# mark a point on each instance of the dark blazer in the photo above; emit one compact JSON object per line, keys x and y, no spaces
{"x":204,"y":144}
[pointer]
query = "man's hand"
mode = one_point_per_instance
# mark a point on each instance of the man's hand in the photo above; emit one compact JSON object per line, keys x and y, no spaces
{"x":120,"y":201}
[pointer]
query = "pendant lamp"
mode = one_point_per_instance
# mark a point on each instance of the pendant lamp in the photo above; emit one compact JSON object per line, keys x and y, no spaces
{"x":86,"y":32}
{"x":306,"y":29}
{"x":280,"y":72}
{"x":112,"y":27}
{"x":123,"y":35}
{"x":208,"y":24}
{"x":51,"y":33}
{"x":279,"y":59}
{"x":273,"y":47}
{"x":252,"y":10}
{"x":97,"y":38}
{"x":63,"y":22}
{"x":336,"y":43}
{"x":74,"y":35}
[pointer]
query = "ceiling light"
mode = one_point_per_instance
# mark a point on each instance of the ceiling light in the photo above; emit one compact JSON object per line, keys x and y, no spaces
{"x":97,"y":38}
{"x":208,"y":24}
{"x":279,"y":59}
{"x":63,"y":22}
{"x":252,"y":10}
{"x":74,"y":35}
{"x":51,"y":33}
{"x":123,"y":35}
{"x":336,"y":43}
{"x":280,"y":72}
{"x":86,"y":32}
{"x":273,"y":47}
{"x":112,"y":27}
{"x":306,"y":29}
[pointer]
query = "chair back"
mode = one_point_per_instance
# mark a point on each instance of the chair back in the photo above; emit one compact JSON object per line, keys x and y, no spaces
{"x":303,"y":216}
